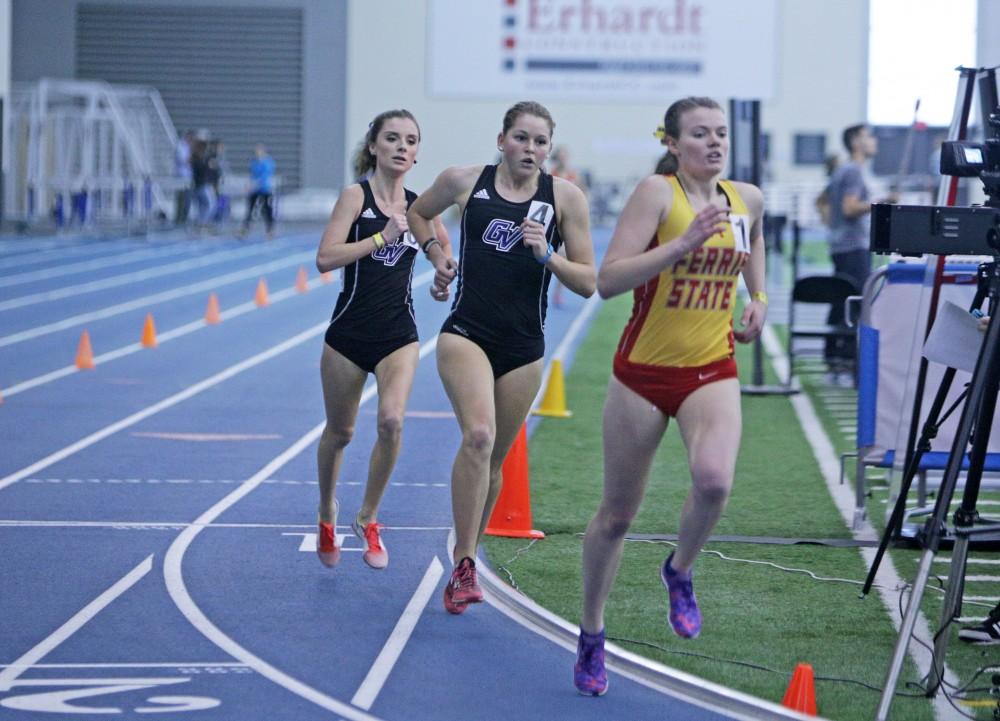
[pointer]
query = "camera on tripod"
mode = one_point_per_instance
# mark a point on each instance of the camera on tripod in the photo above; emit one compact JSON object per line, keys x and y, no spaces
{"x":948,"y":230}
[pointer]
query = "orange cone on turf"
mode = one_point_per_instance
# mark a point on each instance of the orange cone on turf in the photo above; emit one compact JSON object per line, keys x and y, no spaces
{"x":801,"y":693}
{"x":326,"y":277}
{"x":512,"y":514}
{"x":260,"y":297}
{"x":84,"y":353}
{"x":554,"y":401}
{"x":212,"y":312}
{"x":302,"y":280}
{"x":149,"y":332}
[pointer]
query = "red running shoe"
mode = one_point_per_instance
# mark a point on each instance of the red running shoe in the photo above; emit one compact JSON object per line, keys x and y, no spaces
{"x":375,"y":554}
{"x":462,"y":588}
{"x":326,"y":541}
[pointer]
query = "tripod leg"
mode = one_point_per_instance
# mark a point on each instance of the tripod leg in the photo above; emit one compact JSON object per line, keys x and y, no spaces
{"x":905,"y":632}
{"x":966,"y":515}
{"x":899,"y":508}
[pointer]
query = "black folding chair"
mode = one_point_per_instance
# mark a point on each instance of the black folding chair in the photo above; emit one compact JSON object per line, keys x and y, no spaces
{"x":831,"y":291}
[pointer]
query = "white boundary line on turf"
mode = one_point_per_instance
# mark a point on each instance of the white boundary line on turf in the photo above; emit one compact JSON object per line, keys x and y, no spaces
{"x":369,"y":689}
{"x":174,"y":577}
{"x":888,"y":581}
{"x":578,"y":324}
{"x":659,"y":677}
{"x":9,"y":675}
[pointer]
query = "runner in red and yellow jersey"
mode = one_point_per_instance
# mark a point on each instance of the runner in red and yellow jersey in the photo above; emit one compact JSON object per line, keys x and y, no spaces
{"x":680,"y":243}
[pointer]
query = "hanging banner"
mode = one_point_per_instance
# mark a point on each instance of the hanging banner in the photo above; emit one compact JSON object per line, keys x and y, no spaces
{"x":596,"y":50}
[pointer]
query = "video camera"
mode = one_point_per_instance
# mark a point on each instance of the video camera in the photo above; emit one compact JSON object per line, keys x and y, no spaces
{"x":949,"y":230}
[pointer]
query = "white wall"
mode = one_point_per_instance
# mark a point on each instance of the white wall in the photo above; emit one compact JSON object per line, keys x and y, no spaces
{"x":820,"y":88}
{"x":5,"y":58}
{"x":988,"y":32}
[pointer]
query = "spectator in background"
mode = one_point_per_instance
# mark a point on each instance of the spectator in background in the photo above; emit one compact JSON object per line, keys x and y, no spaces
{"x":203,"y":175}
{"x":261,"y":190}
{"x":849,"y":220}
{"x":182,"y":169}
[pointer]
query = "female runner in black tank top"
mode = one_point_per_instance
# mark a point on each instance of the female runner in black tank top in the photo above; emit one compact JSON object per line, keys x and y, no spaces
{"x":514,"y":217}
{"x":372,"y":329}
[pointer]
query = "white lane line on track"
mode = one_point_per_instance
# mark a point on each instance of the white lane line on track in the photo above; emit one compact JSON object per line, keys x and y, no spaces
{"x":576,"y":327}
{"x":173,"y":525}
{"x":115,"y":281}
{"x":380,"y":670}
{"x":888,"y":581}
{"x":174,"y":577}
{"x":180,"y":664}
{"x":161,"y":338}
{"x":10,"y":674}
{"x":141,"y":303}
{"x":173,"y":400}
{"x":30,"y":276}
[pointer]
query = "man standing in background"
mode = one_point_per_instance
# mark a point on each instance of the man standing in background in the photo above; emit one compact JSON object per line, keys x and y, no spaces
{"x":261,"y":190}
{"x":850,"y":220}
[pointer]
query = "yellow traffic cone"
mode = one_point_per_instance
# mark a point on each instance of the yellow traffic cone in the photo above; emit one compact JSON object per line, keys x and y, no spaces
{"x":554,"y":401}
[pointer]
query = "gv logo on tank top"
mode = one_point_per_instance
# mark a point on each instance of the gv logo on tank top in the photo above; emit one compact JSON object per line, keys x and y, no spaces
{"x":502,"y":234}
{"x":390,"y":254}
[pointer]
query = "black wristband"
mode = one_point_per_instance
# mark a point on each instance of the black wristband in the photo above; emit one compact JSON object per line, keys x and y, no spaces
{"x":428,"y":243}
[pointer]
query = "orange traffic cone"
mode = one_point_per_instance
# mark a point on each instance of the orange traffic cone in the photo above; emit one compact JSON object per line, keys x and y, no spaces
{"x":260,"y":297}
{"x":554,"y":401}
{"x":326,"y":277}
{"x":149,"y":332}
{"x":212,"y":312}
{"x":512,"y":514}
{"x":302,"y":280}
{"x":84,"y":353}
{"x":801,"y":693}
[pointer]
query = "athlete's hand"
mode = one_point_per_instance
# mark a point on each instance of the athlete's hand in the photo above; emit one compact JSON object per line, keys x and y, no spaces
{"x":395,"y":228}
{"x":710,"y":220}
{"x":752,"y":321}
{"x":444,"y":272}
{"x":534,"y":238}
{"x":983,"y":322}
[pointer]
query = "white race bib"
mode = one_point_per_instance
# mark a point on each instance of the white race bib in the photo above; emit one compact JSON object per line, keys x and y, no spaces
{"x":741,"y":232}
{"x":541,"y":213}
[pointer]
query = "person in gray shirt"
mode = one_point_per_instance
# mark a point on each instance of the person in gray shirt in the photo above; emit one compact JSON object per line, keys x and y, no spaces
{"x":850,"y":219}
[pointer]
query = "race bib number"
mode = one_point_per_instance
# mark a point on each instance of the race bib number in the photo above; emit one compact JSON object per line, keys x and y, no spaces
{"x":741,"y":232}
{"x":541,"y":213}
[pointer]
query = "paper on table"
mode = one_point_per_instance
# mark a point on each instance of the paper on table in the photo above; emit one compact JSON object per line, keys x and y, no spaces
{"x":955,"y":338}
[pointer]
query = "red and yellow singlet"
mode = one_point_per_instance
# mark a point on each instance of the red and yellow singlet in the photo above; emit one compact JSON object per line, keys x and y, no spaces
{"x":683,"y":317}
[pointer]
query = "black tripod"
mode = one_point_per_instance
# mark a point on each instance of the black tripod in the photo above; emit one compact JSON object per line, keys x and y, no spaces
{"x":973,"y":428}
{"x":985,"y":288}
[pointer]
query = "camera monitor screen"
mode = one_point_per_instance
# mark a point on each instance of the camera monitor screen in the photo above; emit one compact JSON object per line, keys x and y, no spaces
{"x":973,"y":155}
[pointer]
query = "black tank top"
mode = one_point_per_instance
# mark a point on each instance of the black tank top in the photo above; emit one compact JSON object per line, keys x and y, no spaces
{"x":375,"y":302}
{"x":502,"y":291}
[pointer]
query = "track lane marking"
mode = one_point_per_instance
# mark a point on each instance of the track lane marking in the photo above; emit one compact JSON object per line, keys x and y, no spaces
{"x":143,"y":303}
{"x":173,"y":400}
{"x":9,"y":675}
{"x":161,"y":338}
{"x":174,"y":577}
{"x":394,"y":645}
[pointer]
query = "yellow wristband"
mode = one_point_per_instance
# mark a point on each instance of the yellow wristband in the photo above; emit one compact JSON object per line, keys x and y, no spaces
{"x":761,"y":296}
{"x":379,"y":241}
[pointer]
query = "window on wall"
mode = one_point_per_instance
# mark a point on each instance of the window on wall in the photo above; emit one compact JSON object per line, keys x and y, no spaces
{"x":914,"y":47}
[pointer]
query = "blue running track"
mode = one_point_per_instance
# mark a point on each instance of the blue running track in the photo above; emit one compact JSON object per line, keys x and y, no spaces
{"x":157,"y":513}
